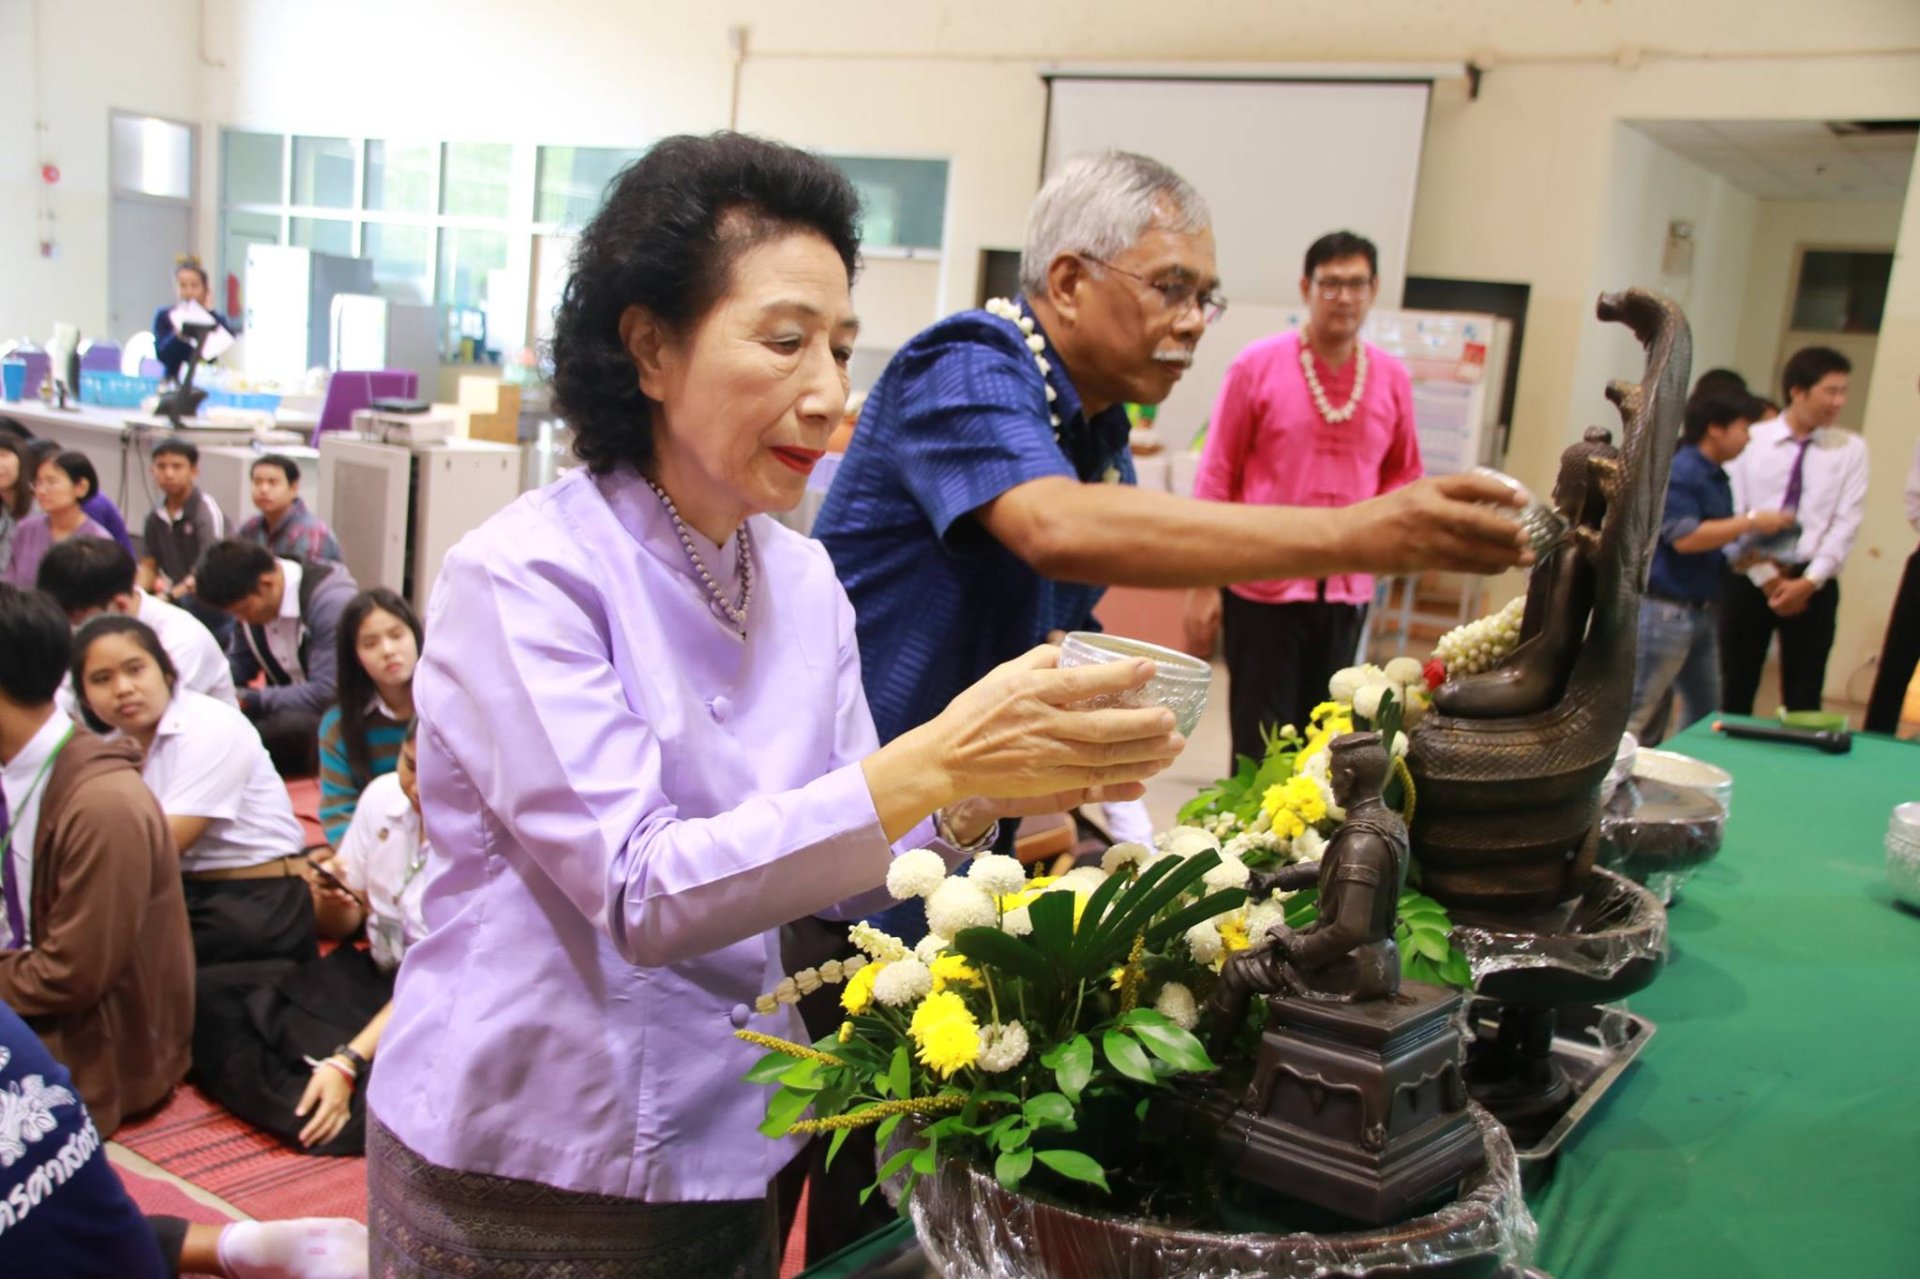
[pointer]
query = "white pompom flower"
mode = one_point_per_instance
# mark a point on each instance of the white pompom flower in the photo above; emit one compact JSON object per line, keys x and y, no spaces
{"x":902,"y":982}
{"x":1121,"y":856}
{"x":998,"y":874}
{"x":1186,"y":841}
{"x":1016,"y":922}
{"x":1346,"y":682}
{"x":916,"y":873}
{"x":929,"y":947}
{"x":1400,"y":744}
{"x":1309,"y":845}
{"x":1230,"y":873}
{"x":1175,"y":1003}
{"x":1203,"y":939}
{"x":1081,"y":879}
{"x":1260,"y":917}
{"x":958,"y":904}
{"x":1002,"y":1047}
{"x":1404,"y":670}
{"x":1366,"y":702}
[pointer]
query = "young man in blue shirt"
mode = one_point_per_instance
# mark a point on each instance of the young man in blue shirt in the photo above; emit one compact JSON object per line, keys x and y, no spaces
{"x":1679,"y":646}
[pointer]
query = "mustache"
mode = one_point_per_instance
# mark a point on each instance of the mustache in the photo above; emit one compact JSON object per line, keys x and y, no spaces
{"x":1182,"y":357}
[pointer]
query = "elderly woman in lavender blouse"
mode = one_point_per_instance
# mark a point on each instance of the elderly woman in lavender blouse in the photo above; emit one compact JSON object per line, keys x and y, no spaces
{"x":644,"y":747}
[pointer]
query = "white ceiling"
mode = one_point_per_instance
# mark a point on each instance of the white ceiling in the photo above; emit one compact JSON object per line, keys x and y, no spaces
{"x":1791,"y":159}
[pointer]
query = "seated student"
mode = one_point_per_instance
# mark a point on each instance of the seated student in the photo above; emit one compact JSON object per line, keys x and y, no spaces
{"x":284,"y":525}
{"x":360,"y":737}
{"x":178,"y":530}
{"x":61,"y":482}
{"x":89,"y":575}
{"x":289,"y":614}
{"x":67,"y":1213}
{"x":94,"y":948}
{"x":239,"y":842}
{"x":286,"y":1046}
{"x":16,"y":492}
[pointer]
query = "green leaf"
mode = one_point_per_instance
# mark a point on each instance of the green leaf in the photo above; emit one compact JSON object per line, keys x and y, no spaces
{"x":1015,"y":1135}
{"x":991,"y":948}
{"x":901,"y":1158}
{"x":768,"y":1069}
{"x":885,"y":1130}
{"x":1052,"y":935}
{"x":1457,"y":972}
{"x":1049,"y":1109}
{"x":1432,"y":945}
{"x":1178,"y":1048}
{"x":1075,"y":1066}
{"x":1010,"y":1167}
{"x":839,"y":1140}
{"x":923,"y":1161}
{"x":1150,"y":895}
{"x":783,"y":1108}
{"x":1127,"y":1057}
{"x":900,"y":1073}
{"x":1206,"y":908}
{"x":1071,"y":1163}
{"x":803,"y":1074}
{"x":1086,"y":937}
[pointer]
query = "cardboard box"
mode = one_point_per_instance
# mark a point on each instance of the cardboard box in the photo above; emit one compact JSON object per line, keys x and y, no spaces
{"x":491,"y":408}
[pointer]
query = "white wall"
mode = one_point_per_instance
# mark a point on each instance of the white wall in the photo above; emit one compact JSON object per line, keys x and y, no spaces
{"x":1783,"y":225}
{"x":94,"y":56}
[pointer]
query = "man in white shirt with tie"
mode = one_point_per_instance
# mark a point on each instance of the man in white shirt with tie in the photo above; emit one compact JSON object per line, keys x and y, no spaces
{"x":1800,"y":462}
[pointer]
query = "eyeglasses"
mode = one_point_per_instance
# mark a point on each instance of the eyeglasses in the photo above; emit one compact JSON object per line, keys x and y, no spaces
{"x":1178,"y":296}
{"x":1331,"y":287}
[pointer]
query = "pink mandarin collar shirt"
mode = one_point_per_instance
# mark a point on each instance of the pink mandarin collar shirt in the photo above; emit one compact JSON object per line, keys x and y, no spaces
{"x":625,"y":800}
{"x":1268,"y":445}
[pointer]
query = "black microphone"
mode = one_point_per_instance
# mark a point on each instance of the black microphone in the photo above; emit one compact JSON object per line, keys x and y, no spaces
{"x":1832,"y":741}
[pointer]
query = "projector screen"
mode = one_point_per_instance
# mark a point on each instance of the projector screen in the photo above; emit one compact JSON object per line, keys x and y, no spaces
{"x":1280,"y":163}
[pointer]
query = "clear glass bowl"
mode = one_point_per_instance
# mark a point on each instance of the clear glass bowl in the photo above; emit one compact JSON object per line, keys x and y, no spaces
{"x":1546,"y":527}
{"x":1179,"y":681}
{"x":1676,"y":769}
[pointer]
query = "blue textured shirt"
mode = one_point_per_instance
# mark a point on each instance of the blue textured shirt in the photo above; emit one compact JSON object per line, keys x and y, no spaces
{"x":960,"y":416}
{"x":1697,"y":491}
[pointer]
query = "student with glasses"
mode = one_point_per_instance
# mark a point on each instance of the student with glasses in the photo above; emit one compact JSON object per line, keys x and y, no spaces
{"x":1316,"y":418}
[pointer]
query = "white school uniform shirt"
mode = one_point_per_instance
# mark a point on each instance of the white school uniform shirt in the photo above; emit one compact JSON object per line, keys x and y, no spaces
{"x":283,"y":632}
{"x":207,"y":761}
{"x":1833,"y":489}
{"x":17,"y":778}
{"x":196,"y":655}
{"x":384,"y":855}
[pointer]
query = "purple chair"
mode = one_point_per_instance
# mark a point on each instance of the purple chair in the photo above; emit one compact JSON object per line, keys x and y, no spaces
{"x":100,"y":357}
{"x":349,"y":391}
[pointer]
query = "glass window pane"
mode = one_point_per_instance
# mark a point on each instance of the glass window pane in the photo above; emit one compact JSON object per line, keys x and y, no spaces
{"x":573,"y":180}
{"x":903,"y":203}
{"x":402,"y":261}
{"x":251,"y":172}
{"x":152,"y":156}
{"x":237,"y":231}
{"x":400,"y":176}
{"x":466,"y":259}
{"x":476,"y":179}
{"x":1841,"y":292}
{"x":328,"y":235}
{"x":323,"y":172}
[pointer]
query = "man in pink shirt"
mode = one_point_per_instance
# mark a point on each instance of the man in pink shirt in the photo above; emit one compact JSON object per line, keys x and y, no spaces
{"x":1314,"y":418}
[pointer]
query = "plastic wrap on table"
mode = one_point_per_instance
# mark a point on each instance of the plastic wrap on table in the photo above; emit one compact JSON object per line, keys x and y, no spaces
{"x":972,"y":1229}
{"x":1687,"y":772}
{"x":1657,"y":834}
{"x":1617,"y":923}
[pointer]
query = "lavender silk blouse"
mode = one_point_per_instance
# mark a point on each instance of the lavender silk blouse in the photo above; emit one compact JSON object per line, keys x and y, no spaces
{"x":625,"y":800}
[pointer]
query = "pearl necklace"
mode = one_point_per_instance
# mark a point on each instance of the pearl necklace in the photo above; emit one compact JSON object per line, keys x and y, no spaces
{"x":737,"y":615}
{"x":1331,"y":415}
{"x":1037,"y":344}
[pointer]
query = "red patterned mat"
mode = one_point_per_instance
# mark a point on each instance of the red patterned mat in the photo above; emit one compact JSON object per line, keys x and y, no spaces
{"x":200,"y":1143}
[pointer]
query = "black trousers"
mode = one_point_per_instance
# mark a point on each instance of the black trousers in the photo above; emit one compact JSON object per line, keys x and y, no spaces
{"x":1899,"y":653}
{"x":1747,"y":626}
{"x":1279,"y":659}
{"x":236,"y":920}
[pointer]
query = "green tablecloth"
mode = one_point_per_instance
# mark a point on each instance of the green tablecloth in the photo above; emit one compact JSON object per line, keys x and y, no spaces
{"x":1772,"y":1126}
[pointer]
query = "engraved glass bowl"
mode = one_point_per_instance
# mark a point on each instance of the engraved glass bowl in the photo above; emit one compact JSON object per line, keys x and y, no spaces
{"x":1179,"y":681}
{"x":1903,"y":853}
{"x":1546,"y":527}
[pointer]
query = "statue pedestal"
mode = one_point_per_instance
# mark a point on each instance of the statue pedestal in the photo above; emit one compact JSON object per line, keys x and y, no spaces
{"x":1358,"y":1108}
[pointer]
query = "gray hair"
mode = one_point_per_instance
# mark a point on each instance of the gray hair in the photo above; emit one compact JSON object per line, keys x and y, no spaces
{"x":1100,"y":205}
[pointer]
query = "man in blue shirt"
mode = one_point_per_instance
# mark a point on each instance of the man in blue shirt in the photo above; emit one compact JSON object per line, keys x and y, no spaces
{"x":987,"y":498}
{"x":1679,"y":648}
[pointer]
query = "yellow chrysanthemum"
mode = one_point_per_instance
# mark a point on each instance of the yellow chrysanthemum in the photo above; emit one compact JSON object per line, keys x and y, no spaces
{"x":1325,"y":709}
{"x":1014,"y":901}
{"x":1233,"y":935}
{"x":947,"y":1034}
{"x":858,"y":996}
{"x":953,"y":970}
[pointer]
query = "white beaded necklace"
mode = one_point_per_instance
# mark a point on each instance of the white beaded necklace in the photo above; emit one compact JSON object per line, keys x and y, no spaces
{"x":1012,"y":314}
{"x":1328,"y":413}
{"x":736,"y":614}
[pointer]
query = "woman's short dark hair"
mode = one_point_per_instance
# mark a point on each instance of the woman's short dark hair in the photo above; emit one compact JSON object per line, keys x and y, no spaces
{"x":356,"y":687}
{"x":35,"y":640}
{"x":230,"y":570}
{"x":675,"y":222}
{"x":115,"y":624}
{"x":78,"y":466}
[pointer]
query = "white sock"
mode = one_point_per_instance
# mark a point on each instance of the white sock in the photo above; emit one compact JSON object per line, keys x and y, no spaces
{"x":303,"y":1248}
